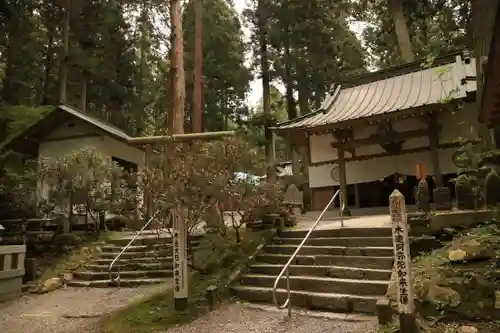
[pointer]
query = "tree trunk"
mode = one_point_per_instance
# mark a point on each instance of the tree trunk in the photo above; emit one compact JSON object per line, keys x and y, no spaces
{"x":63,"y":67}
{"x":144,"y":45}
{"x":83,"y":91}
{"x":304,"y":96}
{"x":291,"y":106}
{"x":179,"y":90}
{"x":49,"y":59}
{"x":266,"y":88}
{"x":198,"y":68}
{"x":402,"y":35}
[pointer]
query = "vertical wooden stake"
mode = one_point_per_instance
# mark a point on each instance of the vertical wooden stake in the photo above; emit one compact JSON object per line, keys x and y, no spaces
{"x":179,"y":242}
{"x":406,"y":306}
{"x":343,"y":180}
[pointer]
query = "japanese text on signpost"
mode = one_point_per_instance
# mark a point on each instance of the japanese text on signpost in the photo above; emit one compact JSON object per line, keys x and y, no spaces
{"x":401,"y":252}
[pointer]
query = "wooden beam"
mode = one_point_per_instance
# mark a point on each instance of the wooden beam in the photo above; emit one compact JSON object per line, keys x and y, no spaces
{"x":181,"y":137}
{"x":377,"y":139}
{"x":342,"y":178}
{"x":386,"y":154}
{"x":433,"y":127}
{"x":71,"y":137}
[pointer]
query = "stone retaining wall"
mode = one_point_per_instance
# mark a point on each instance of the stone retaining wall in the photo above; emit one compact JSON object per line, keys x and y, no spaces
{"x":11,"y":270}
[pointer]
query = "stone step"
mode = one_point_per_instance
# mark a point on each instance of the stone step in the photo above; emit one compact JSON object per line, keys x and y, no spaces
{"x":331,"y":250}
{"x":122,"y":283}
{"x":133,"y":261}
{"x":319,"y":284}
{"x":135,"y":248}
{"x":151,"y":240}
{"x":309,"y":300}
{"x":134,"y":255}
{"x":344,"y":232}
{"x":338,"y":241}
{"x":103,"y":275}
{"x":328,"y":271}
{"x":134,"y":266}
{"x":351,"y":261}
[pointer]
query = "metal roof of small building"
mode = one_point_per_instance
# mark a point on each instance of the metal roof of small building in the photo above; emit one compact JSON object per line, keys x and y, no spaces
{"x":424,"y":86}
{"x":96,"y":122}
{"x":25,"y":140}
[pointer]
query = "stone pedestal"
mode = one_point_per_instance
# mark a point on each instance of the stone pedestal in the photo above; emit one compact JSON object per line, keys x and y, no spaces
{"x":442,"y":198}
{"x":422,"y":196}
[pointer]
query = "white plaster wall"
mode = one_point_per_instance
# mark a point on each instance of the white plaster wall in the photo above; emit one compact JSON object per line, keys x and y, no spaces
{"x":321,"y":148}
{"x":379,"y":168}
{"x":78,"y":128}
{"x":106,"y":145}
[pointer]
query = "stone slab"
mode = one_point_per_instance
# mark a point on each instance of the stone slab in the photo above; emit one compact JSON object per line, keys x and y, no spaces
{"x":10,"y":288}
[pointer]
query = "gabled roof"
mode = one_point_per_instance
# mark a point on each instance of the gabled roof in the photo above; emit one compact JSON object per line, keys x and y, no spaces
{"x":106,"y":127}
{"x":23,"y":142}
{"x":391,"y":90}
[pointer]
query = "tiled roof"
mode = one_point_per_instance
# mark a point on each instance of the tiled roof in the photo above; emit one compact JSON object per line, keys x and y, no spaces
{"x":400,"y":92}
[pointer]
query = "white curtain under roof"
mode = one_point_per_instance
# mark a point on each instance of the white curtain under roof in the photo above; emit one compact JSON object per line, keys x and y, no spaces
{"x":380,"y":168}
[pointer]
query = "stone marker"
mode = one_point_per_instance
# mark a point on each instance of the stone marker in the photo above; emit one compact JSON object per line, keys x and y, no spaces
{"x":179,"y":242}
{"x":211,"y":296}
{"x":406,"y":306}
{"x":294,"y":198}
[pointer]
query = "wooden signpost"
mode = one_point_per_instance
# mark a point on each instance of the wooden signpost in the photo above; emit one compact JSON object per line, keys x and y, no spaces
{"x":406,"y":306}
{"x":180,"y":262}
{"x":421,"y":172}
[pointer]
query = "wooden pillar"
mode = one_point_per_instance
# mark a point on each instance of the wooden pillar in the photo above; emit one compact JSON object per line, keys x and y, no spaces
{"x":342,"y":178}
{"x":356,"y":196}
{"x":441,"y":194}
{"x":271,"y":173}
{"x":148,"y":200}
{"x":434,"y":150}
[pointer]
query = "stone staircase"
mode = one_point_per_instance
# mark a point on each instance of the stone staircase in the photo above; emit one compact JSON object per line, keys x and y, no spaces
{"x":147,"y":261}
{"x":340,"y":270}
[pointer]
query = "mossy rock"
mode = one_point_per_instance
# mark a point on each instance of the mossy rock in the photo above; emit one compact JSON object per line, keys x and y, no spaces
{"x":463,"y":290}
{"x":470,"y":250}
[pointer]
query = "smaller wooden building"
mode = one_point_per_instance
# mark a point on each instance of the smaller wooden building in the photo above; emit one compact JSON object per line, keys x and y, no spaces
{"x":66,"y":130}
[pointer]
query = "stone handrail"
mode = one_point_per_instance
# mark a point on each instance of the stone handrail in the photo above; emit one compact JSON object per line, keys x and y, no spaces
{"x":11,"y":270}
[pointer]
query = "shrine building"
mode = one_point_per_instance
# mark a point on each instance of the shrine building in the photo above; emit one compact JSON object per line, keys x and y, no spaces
{"x":372,"y":131}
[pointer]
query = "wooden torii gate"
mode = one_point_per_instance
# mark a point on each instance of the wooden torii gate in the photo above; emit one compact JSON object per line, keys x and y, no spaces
{"x":180,"y":234}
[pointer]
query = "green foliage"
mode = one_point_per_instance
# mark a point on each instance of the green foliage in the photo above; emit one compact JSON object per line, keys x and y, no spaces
{"x":51,"y":187}
{"x":17,"y":118}
{"x":310,"y":45}
{"x":435,"y":27}
{"x":126,"y":76}
{"x":193,"y":179}
{"x":225,"y":77}
{"x":251,"y":201}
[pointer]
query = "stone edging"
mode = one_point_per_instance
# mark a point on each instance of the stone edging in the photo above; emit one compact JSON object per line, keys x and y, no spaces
{"x":238,"y":271}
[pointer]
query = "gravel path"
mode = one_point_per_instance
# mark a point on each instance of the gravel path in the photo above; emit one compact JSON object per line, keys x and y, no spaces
{"x":68,"y":310}
{"x":238,"y":318}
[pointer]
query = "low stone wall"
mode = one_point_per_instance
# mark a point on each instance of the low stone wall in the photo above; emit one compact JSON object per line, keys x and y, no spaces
{"x":422,"y":224}
{"x":11,"y":270}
